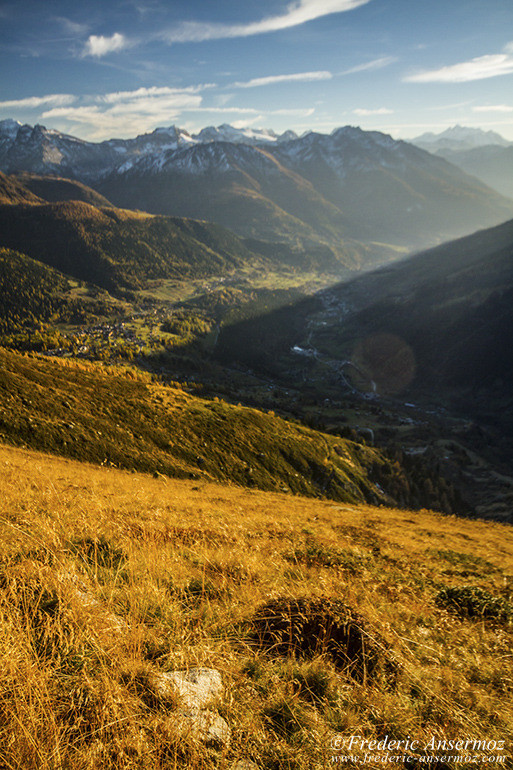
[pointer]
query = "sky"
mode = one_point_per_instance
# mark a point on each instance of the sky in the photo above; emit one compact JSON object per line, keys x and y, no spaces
{"x":98,"y":69}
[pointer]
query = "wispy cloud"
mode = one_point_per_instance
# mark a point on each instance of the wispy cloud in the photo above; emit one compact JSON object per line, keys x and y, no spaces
{"x":33,"y":102}
{"x":153,"y":93}
{"x":71,"y":27}
{"x":379,"y":111}
{"x":375,"y":64}
{"x":144,"y":8}
{"x":480,"y":68}
{"x":247,"y":122}
{"x":128,"y":113}
{"x":300,"y":77}
{"x":493,"y":108}
{"x":296,"y":13}
{"x":98,"y":45}
{"x":300,"y":112}
{"x":125,"y":113}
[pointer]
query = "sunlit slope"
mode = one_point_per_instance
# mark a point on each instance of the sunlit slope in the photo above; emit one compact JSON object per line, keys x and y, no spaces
{"x":123,"y":419}
{"x":13,"y":191}
{"x":54,"y":188}
{"x":108,"y":580}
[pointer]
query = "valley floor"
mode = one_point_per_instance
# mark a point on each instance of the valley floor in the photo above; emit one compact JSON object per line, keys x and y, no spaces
{"x":324,"y":621}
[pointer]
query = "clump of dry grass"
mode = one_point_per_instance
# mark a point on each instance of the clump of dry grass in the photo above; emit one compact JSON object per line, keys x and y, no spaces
{"x":106,"y":577}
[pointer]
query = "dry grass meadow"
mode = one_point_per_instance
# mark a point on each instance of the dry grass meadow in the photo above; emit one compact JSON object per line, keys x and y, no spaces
{"x":108,"y":575}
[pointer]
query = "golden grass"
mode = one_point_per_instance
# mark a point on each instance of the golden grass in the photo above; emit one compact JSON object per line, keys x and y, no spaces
{"x":105,"y":575}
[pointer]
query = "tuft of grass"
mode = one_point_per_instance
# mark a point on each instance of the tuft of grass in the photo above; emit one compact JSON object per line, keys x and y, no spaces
{"x":286,"y":718}
{"x":474,"y":602}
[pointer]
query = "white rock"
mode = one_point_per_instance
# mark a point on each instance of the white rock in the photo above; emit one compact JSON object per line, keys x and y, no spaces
{"x":192,"y":690}
{"x":211,"y":728}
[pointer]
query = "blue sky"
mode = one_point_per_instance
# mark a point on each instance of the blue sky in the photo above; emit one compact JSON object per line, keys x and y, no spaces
{"x":98,"y":69}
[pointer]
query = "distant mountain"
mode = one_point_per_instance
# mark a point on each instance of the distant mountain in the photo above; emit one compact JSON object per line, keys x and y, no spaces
{"x":39,"y":150}
{"x":493,"y":164}
{"x":315,"y":191}
{"x":482,"y":154}
{"x":459,"y":138}
{"x":243,"y":187}
{"x":391,"y":190}
{"x":350,"y":186}
{"x":252,"y":136}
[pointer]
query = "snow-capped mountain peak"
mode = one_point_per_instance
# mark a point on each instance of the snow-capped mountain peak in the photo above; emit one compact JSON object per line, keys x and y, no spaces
{"x":460,"y":138}
{"x":227,"y":133}
{"x":9,"y":126}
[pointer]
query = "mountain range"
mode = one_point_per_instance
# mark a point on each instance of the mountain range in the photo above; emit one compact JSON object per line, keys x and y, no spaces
{"x":460,"y":138}
{"x":359,"y":193}
{"x":483,"y":154}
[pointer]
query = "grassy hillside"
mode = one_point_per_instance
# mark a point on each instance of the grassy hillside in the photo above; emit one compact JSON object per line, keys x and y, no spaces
{"x":33,"y":295}
{"x":30,"y":292}
{"x":108,"y":580}
{"x":119,"y":249}
{"x":121,"y":418}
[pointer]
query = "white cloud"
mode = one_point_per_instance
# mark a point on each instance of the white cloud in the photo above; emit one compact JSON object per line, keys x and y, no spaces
{"x":480,"y":68}
{"x":247,"y":122}
{"x":379,"y":111}
{"x":302,"y":77}
{"x":493,"y":108}
{"x":32,"y":102}
{"x":375,"y":64}
{"x":126,"y":113}
{"x":229,"y":110}
{"x":98,"y":45}
{"x":305,"y":113}
{"x":154,"y":93}
{"x":296,"y":13}
{"x":302,"y":112}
